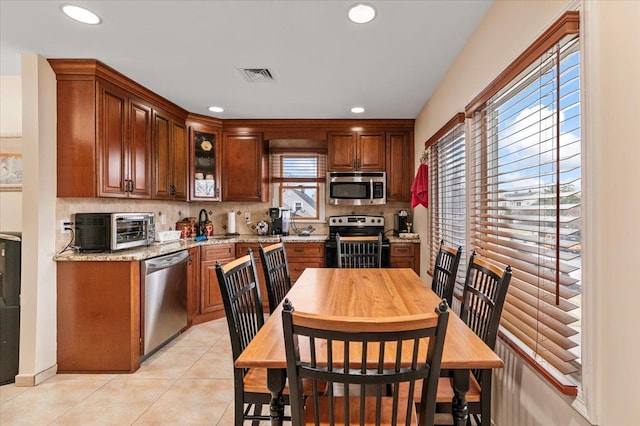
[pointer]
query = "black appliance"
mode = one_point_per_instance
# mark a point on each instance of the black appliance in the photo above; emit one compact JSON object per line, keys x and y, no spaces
{"x":280,"y":220}
{"x":102,"y":232}
{"x":354,"y":226}
{"x":10,"y":264}
{"x":400,"y":222}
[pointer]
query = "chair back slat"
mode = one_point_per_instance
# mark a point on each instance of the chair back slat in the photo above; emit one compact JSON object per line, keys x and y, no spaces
{"x":359,"y":252}
{"x":241,"y":299}
{"x":276,"y":273}
{"x":483,"y":297}
{"x":367,"y":371}
{"x":445,"y":271}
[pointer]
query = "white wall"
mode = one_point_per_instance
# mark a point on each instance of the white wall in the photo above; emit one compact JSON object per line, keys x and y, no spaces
{"x":10,"y":142}
{"x":38,"y":292}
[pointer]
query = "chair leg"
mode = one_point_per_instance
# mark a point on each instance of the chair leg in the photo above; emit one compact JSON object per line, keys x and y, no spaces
{"x":257,"y":411}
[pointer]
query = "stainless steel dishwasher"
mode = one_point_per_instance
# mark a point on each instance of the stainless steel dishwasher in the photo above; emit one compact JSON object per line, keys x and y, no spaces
{"x":164,"y":299}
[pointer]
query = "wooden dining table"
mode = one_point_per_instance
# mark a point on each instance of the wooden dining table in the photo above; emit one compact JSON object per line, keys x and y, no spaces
{"x":373,"y":293}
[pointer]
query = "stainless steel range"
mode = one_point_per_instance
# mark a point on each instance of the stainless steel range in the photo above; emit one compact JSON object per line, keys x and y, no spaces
{"x":354,"y":226}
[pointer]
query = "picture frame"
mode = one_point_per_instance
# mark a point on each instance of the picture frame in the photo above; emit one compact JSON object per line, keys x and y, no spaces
{"x":10,"y":172}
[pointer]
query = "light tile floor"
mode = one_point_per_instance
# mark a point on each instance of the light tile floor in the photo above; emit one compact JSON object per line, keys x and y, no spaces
{"x":188,"y":382}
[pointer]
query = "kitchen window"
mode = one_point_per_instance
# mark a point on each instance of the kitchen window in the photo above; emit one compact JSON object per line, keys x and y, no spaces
{"x":525,"y":201}
{"x":448,"y":213}
{"x":298,"y":179}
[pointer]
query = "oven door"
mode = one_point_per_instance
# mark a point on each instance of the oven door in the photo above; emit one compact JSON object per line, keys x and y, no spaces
{"x":129,"y":230}
{"x":331,"y":255}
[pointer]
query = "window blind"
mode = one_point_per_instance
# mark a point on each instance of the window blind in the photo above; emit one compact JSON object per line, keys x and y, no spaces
{"x":525,"y":204}
{"x":448,"y":216}
{"x":298,"y":166}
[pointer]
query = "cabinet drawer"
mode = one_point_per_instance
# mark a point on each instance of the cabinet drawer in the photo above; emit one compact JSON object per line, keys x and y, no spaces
{"x":402,"y":250}
{"x":217,"y":252}
{"x":304,"y":250}
{"x":297,"y":268}
{"x":242,"y":248}
{"x":402,"y":262}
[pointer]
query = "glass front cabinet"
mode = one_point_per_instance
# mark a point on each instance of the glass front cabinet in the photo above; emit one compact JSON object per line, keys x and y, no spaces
{"x":205,"y":163}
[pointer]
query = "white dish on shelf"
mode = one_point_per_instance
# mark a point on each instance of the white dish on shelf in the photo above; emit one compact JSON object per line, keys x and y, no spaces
{"x":167,"y":236}
{"x":409,"y":235}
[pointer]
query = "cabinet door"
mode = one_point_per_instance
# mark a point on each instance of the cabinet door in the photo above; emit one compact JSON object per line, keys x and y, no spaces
{"x":244,"y":167}
{"x":341,"y":152}
{"x":161,"y":156}
{"x":210,"y":296}
{"x":399,"y":166}
{"x":170,"y":158}
{"x":112,"y":145}
{"x":371,"y":152}
{"x":304,"y":255}
{"x":179,"y":161}
{"x":205,"y":164}
{"x":139,"y":151}
{"x":405,"y":255}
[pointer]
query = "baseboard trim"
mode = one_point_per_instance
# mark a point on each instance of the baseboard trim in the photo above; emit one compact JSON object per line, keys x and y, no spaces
{"x":31,"y":380}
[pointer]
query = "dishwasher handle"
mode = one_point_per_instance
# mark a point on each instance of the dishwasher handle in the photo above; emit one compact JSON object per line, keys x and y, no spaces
{"x":157,"y":263}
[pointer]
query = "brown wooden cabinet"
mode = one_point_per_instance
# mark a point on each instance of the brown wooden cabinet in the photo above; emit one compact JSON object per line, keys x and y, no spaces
{"x":193,"y":285}
{"x":356,"y":151}
{"x":98,"y":317}
{"x":204,"y":159}
{"x":123,"y":144}
{"x":210,"y":296}
{"x":399,"y":158}
{"x":170,"y":156}
{"x":244,"y":167}
{"x":303,"y":255}
{"x":108,"y":131}
{"x":405,"y":255}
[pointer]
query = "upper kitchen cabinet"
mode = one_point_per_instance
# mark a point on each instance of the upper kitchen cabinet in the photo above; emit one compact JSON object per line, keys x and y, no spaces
{"x":107,"y":133}
{"x":399,"y":159}
{"x":204,"y":158}
{"x":356,"y":151}
{"x":123,"y":144}
{"x":170,"y":158}
{"x":244,"y":167}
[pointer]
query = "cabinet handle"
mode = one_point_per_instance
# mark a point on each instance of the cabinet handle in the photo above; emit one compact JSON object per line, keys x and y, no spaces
{"x":130,"y":185}
{"x":172,"y":189}
{"x":299,"y":250}
{"x":218,"y":192}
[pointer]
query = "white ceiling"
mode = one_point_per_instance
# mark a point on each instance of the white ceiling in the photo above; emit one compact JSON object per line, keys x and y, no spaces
{"x":190,"y":51}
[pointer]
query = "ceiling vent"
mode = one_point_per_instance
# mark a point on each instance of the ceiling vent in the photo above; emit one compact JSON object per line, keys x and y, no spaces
{"x":257,"y":75}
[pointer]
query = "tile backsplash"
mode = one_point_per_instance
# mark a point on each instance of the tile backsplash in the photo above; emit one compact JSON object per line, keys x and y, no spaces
{"x":169,"y":212}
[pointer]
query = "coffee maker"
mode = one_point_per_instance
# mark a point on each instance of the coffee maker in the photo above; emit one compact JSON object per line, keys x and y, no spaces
{"x":401,"y":221}
{"x":280,"y":220}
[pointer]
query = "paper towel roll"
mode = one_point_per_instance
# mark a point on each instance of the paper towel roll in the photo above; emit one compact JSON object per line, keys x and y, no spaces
{"x":231,"y":222}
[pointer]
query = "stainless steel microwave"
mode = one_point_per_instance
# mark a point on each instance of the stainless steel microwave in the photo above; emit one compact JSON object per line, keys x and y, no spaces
{"x":356,"y":188}
{"x":103,"y":232}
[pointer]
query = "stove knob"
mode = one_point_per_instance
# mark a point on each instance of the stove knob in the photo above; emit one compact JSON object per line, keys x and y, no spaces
{"x":340,"y":220}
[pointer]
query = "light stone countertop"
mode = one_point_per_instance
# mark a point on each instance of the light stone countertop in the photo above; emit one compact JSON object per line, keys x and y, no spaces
{"x":159,"y":249}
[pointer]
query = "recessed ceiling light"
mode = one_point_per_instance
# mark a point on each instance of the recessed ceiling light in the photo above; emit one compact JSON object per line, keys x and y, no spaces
{"x":81,"y":14}
{"x":357,"y":110}
{"x":214,"y":108}
{"x":361,"y":13}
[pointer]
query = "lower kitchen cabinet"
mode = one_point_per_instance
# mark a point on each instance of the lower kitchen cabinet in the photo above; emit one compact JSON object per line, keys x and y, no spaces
{"x":405,"y":255}
{"x":211,"y":306}
{"x":98,"y":317}
{"x":303,"y":255}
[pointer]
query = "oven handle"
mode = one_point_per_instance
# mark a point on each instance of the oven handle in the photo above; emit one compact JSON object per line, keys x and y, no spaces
{"x":370,"y":190}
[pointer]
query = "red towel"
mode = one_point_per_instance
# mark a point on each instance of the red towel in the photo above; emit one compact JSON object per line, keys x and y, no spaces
{"x":420,"y":187}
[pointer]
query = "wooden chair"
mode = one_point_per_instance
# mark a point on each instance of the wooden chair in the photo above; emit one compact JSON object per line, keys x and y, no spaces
{"x":359,"y":252}
{"x":485,"y":290}
{"x":276,"y":273}
{"x":243,"y":308}
{"x":445,"y":271}
{"x":380,"y":389}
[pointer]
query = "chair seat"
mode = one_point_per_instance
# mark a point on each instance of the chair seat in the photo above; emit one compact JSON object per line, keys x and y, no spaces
{"x":255,"y":381}
{"x":354,"y":411}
